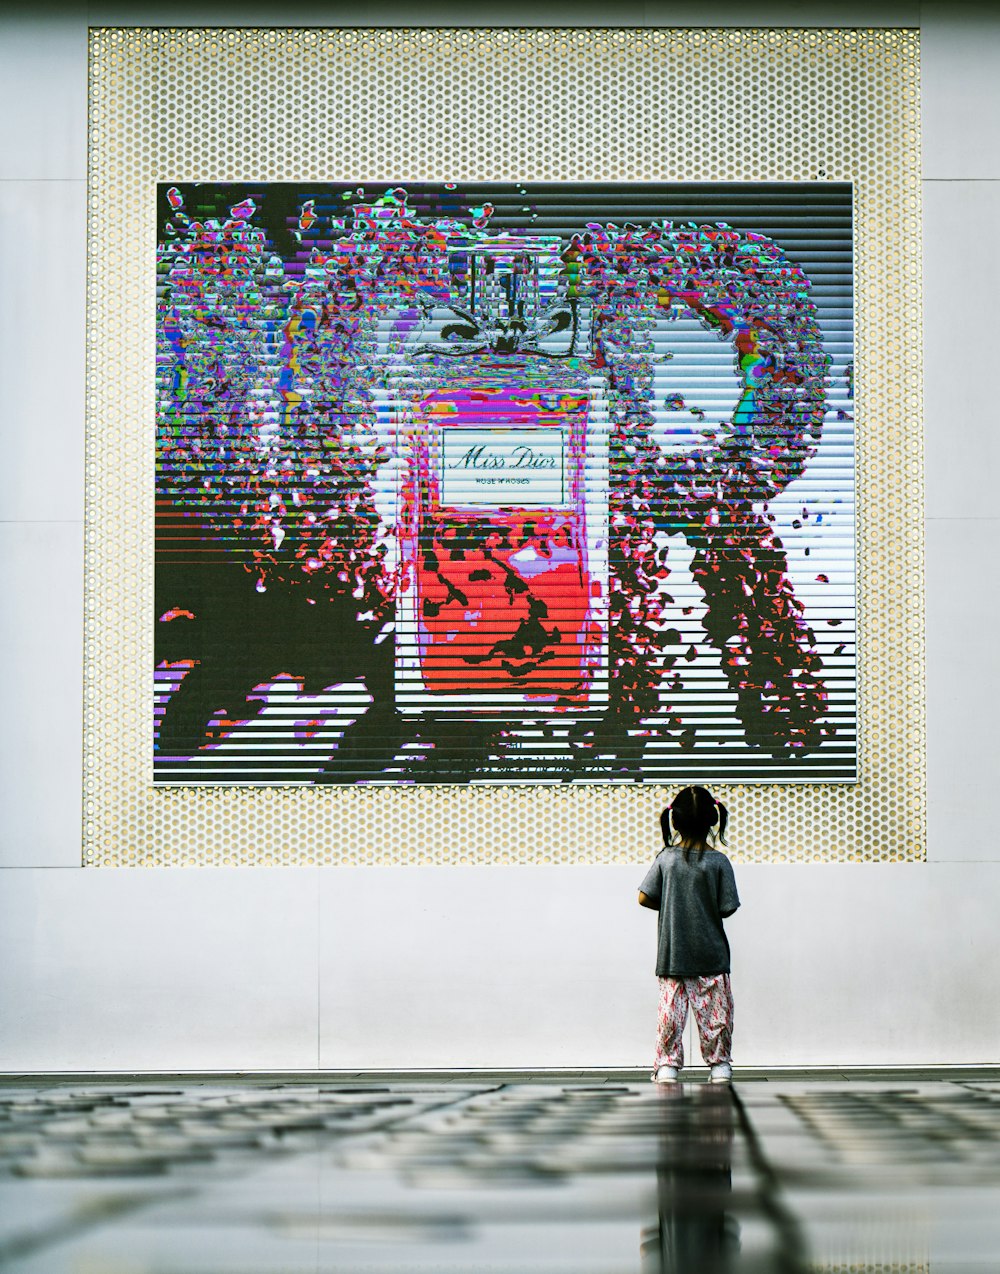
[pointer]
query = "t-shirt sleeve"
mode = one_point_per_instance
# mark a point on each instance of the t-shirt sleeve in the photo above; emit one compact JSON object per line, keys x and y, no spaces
{"x":651,"y":883}
{"x":728,"y":898}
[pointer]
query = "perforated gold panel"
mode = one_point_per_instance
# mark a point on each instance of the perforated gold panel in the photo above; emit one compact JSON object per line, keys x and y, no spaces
{"x":560,"y":105}
{"x":874,"y":1267}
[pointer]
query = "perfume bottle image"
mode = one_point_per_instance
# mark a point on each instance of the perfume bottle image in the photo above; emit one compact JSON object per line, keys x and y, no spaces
{"x":503,"y":510}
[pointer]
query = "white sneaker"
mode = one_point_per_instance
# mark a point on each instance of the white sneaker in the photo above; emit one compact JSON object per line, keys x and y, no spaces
{"x":721,"y":1073}
{"x":666,"y":1075}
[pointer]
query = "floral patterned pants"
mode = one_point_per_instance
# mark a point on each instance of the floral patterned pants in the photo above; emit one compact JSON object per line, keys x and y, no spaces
{"x":711,"y":1000}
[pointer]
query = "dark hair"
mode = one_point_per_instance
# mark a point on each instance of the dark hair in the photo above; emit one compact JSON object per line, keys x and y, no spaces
{"x":694,"y":813}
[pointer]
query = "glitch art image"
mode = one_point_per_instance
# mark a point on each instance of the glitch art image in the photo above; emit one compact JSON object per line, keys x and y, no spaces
{"x":504,"y":483}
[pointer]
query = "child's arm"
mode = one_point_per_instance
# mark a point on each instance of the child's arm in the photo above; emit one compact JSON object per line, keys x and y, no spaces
{"x":651,"y":887}
{"x":728,"y":898}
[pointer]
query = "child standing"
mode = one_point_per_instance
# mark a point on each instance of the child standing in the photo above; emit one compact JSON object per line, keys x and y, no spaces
{"x":692,"y":886}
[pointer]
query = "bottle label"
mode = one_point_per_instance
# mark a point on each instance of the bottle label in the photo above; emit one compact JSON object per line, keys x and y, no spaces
{"x":484,"y":468}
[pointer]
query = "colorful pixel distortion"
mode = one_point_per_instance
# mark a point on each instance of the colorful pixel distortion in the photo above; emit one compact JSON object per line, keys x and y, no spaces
{"x":505,"y":483}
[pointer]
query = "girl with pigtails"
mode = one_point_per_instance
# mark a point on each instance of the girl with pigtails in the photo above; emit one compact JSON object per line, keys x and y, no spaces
{"x":692,"y":886}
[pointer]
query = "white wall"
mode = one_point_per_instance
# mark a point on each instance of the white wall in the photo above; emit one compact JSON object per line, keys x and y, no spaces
{"x":425,"y":967}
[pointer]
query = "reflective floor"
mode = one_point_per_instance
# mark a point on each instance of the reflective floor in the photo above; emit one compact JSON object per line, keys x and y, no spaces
{"x":589,"y":1177}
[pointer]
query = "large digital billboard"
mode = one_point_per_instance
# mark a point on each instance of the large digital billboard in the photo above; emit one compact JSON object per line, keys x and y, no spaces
{"x":504,"y":483}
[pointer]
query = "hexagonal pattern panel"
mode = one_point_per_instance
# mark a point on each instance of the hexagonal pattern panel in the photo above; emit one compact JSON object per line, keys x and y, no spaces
{"x":554,"y":105}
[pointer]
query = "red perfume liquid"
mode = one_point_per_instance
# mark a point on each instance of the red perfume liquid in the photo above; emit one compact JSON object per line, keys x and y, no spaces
{"x":504,"y":560}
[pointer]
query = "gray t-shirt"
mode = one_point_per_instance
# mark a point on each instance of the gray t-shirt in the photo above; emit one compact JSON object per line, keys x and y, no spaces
{"x":693,"y":895}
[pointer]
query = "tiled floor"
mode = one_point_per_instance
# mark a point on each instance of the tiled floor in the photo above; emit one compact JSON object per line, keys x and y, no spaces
{"x":579,"y":1176}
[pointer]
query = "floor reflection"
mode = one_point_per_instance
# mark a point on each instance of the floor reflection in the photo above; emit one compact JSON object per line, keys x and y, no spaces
{"x":696,"y":1227}
{"x":593,"y":1178}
